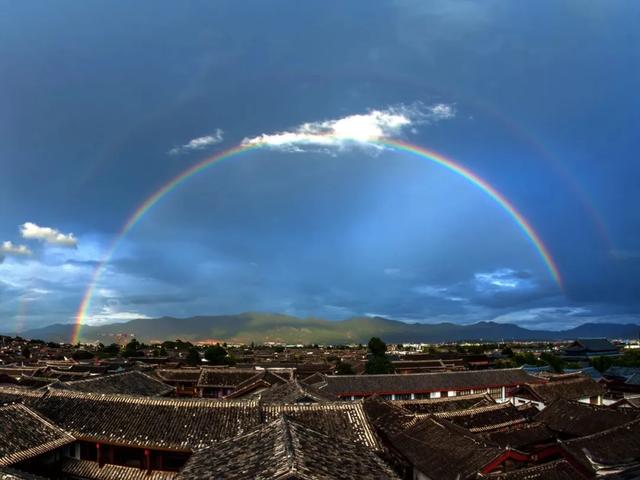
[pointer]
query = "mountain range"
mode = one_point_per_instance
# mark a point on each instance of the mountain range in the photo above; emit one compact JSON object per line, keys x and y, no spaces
{"x":266,"y":327}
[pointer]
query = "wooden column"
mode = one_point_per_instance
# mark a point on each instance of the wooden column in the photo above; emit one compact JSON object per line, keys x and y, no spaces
{"x":147,"y":459}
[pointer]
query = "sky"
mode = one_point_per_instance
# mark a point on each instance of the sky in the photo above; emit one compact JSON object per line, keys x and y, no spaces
{"x":102,"y":103}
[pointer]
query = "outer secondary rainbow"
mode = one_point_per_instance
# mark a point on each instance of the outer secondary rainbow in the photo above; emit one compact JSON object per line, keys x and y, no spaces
{"x":430,"y":155}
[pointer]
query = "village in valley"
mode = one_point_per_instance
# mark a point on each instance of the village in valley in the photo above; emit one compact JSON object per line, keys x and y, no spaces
{"x":177,"y":410}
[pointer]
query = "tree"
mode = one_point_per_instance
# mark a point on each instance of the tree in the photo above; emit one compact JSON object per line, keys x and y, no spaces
{"x":344,"y":368}
{"x":377,"y":346}
{"x":26,"y":352}
{"x":507,"y":351}
{"x":110,"y":350}
{"x":377,"y":365}
{"x":378,"y":362}
{"x":193,"y":357}
{"x":216,"y":355}
{"x":82,"y":355}
{"x":601,"y":364}
{"x":553,"y":361}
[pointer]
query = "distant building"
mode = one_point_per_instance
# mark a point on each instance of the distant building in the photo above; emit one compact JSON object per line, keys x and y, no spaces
{"x":622,"y":382}
{"x":586,"y":348}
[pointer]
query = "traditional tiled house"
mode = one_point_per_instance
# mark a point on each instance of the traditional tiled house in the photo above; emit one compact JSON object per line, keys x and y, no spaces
{"x":132,"y":382}
{"x":612,"y":453}
{"x":183,"y":380}
{"x":573,"y":386}
{"x":26,"y":436}
{"x":585,"y":348}
{"x":286,"y":449}
{"x":622,"y":382}
{"x":223,"y":382}
{"x":497,"y":383}
{"x":574,"y":419}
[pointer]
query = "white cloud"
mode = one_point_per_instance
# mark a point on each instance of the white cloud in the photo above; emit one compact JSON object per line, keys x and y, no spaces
{"x":31,"y":231}
{"x":355,"y":130}
{"x":10,"y":248}
{"x":199,"y":143}
{"x":502,"y":279}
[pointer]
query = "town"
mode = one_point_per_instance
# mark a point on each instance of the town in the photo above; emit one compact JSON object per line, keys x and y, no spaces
{"x":176,"y":410}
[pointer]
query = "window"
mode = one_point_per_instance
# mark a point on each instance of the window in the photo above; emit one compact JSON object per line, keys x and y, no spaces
{"x":496,"y":392}
{"x":464,"y":392}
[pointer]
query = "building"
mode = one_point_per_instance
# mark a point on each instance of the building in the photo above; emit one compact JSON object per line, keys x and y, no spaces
{"x":585,"y":348}
{"x":498,"y":383}
{"x":286,"y":449}
{"x":574,"y":386}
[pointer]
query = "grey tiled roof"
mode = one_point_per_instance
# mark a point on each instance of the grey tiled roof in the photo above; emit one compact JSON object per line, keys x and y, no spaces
{"x":92,"y":471}
{"x":25,"y":434}
{"x":522,"y":435}
{"x":13,"y":474}
{"x":442,"y":450}
{"x":617,"y":448}
{"x":295,"y":392}
{"x":132,"y":382}
{"x":575,"y":419}
{"x":286,"y":449}
{"x":424,"y":382}
{"x":446,"y":404}
{"x":226,"y":377}
{"x":569,"y":387}
{"x":183,"y":424}
{"x":486,"y":418}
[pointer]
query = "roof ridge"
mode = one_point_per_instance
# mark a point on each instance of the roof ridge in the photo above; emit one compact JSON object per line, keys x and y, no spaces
{"x":472,"y":411}
{"x":145,"y":400}
{"x":434,"y":373}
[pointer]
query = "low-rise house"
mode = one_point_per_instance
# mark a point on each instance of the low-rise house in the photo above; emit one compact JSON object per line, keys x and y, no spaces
{"x":613,"y":453}
{"x":575,"y":419}
{"x":570,"y":387}
{"x":295,"y":392}
{"x":132,"y":382}
{"x":622,"y":382}
{"x":183,"y":380}
{"x":26,"y":436}
{"x":222,"y":382}
{"x":156,"y":434}
{"x":498,"y":383}
{"x":286,"y":449}
{"x":487,"y":418}
{"x":447,"y":404}
{"x":435,"y":449}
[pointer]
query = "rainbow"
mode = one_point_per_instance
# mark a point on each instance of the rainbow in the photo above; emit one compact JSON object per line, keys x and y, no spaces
{"x":430,"y":155}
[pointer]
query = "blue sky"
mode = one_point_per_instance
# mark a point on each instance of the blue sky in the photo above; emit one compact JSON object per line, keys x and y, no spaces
{"x":101,"y":103}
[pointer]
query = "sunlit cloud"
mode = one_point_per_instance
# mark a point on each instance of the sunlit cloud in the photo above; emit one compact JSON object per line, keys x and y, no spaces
{"x":52,"y":236}
{"x":502,"y":279}
{"x":199,"y":143}
{"x":10,"y":248}
{"x":358,"y":130}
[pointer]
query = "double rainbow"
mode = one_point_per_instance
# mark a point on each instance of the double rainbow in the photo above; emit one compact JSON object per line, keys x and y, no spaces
{"x":432,"y":156}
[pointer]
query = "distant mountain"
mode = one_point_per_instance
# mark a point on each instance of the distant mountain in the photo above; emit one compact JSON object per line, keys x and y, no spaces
{"x":265,"y":327}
